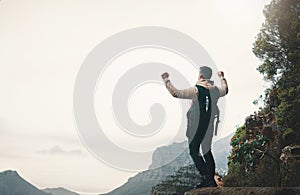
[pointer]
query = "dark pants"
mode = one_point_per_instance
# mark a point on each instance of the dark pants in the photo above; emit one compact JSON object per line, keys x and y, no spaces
{"x":205,"y":164}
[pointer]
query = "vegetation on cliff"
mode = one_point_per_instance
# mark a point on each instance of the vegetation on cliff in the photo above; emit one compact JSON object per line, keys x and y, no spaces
{"x":266,"y":150}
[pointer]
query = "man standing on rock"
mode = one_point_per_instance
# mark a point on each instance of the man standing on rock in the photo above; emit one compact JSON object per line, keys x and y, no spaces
{"x":201,"y":117}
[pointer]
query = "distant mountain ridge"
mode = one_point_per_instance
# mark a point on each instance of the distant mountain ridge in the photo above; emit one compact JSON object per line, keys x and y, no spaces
{"x":143,"y":182}
{"x":59,"y":191}
{"x":12,"y":184}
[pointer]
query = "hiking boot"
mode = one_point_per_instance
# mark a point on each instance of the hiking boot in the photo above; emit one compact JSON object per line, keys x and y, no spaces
{"x":199,"y":185}
{"x":206,"y":183}
{"x":211,"y":183}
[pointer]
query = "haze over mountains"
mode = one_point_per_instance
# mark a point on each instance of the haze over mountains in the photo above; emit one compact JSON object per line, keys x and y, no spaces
{"x":11,"y":183}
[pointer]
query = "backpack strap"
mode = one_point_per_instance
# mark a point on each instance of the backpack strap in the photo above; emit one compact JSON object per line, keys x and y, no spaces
{"x":204,"y":101}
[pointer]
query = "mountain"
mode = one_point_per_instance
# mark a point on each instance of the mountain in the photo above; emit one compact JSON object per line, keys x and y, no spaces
{"x":221,"y":150}
{"x":143,"y":182}
{"x":165,"y":154}
{"x":59,"y":191}
{"x":12,"y":184}
{"x":178,"y":182}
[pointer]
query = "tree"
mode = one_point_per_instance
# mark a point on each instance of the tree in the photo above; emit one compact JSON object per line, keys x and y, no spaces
{"x":278,"y":46}
{"x":278,"y":42}
{"x":256,"y":162}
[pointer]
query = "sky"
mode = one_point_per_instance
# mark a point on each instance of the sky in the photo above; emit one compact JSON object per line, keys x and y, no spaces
{"x":42,"y":47}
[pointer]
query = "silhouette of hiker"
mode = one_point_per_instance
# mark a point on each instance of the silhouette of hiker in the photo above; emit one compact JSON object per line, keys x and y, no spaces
{"x":201,"y":117}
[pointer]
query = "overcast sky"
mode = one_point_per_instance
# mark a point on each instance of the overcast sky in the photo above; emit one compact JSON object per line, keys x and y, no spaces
{"x":42,"y":46}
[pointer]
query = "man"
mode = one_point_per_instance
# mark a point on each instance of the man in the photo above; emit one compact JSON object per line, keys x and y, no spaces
{"x":201,"y":118}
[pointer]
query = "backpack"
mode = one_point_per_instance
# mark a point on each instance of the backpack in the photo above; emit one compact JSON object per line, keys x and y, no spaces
{"x":200,"y":113}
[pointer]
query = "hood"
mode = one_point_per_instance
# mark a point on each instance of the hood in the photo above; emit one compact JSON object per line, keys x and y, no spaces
{"x":208,"y":84}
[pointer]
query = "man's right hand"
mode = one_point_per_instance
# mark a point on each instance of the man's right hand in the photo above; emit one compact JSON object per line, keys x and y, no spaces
{"x":165,"y":75}
{"x":221,"y":74}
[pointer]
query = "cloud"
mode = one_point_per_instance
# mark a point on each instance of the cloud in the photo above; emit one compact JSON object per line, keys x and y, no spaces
{"x":57,"y":150}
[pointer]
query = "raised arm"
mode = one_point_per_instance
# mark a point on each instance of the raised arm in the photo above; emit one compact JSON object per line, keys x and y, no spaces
{"x":224,"y":87}
{"x":190,"y":93}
